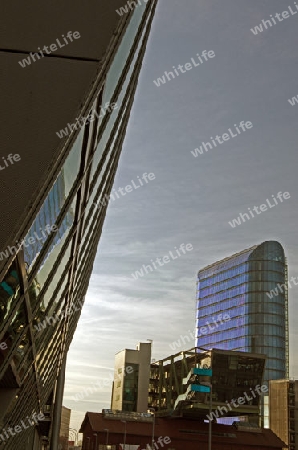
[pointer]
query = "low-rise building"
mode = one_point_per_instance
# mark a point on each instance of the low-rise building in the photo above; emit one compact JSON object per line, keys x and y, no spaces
{"x":176,"y":384}
{"x":110,"y":430}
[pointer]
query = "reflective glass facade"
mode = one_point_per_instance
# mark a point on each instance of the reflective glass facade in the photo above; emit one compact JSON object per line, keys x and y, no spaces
{"x":43,"y":290}
{"x":237,"y":287}
{"x":130,"y":387}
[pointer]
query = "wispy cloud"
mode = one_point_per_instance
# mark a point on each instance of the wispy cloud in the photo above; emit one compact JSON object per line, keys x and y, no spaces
{"x":191,"y":200}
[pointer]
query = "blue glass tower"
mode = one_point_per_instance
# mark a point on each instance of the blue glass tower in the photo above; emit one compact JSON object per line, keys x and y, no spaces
{"x":239,"y":287}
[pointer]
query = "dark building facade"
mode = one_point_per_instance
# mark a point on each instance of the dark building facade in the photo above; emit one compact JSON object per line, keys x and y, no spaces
{"x":108,"y":433}
{"x":54,"y":195}
{"x":177,"y":387}
{"x":240,"y":286}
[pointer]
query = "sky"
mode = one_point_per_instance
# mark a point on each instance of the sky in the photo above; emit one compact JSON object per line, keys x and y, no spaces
{"x":191,"y":200}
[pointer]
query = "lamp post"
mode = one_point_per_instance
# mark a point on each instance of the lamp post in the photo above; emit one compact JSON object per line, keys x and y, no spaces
{"x":107,"y":440}
{"x":124,"y":440}
{"x":152,"y":412}
{"x":210,"y":412}
{"x":210,"y":421}
{"x":96,"y":446}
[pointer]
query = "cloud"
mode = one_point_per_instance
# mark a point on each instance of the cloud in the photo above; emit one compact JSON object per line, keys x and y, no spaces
{"x":192,"y":199}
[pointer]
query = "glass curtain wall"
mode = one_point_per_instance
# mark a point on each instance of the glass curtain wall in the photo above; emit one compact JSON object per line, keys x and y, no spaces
{"x":43,"y":291}
{"x":237,"y":289}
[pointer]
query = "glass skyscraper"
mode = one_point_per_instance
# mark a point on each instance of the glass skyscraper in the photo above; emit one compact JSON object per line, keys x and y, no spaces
{"x":52,"y":213}
{"x":239,"y":287}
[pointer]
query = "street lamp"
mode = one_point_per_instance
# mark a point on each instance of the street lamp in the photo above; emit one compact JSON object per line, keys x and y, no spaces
{"x":152,"y":412}
{"x":124,"y":440}
{"x":107,"y":440}
{"x":210,"y":412}
{"x":96,"y":446}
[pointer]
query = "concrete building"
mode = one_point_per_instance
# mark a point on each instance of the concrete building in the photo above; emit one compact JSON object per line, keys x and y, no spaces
{"x":251,"y":288}
{"x":283,"y":401}
{"x":172,"y":386}
{"x":131,"y":379}
{"x":176,"y":384}
{"x":67,"y":97}
{"x":108,"y":431}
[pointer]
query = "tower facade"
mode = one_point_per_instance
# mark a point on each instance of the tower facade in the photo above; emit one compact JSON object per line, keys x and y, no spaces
{"x":66,"y":116}
{"x":284,"y":411}
{"x":250,"y":289}
{"x":131,"y":379}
